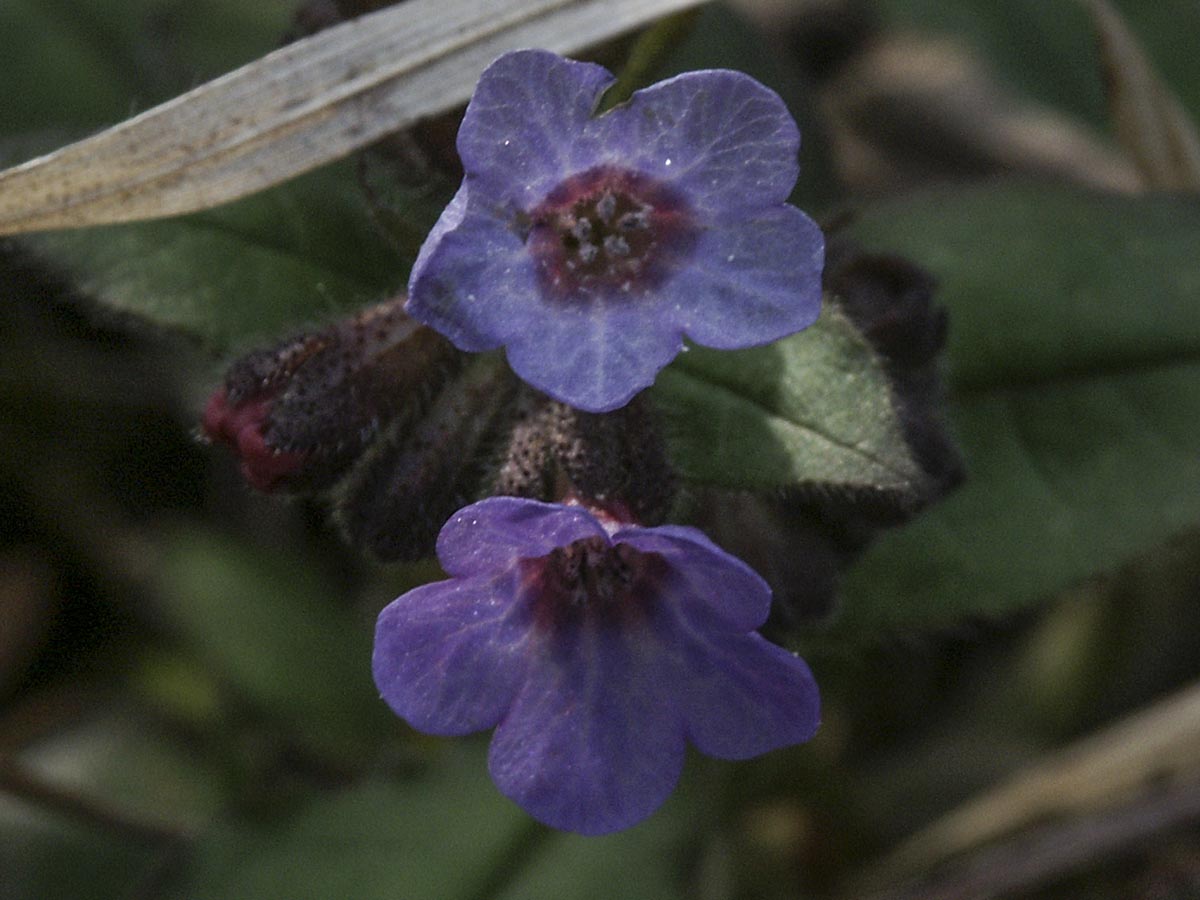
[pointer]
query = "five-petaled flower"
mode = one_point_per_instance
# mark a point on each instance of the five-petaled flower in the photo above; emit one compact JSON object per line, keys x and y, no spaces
{"x":590,"y":245}
{"x":598,"y":650}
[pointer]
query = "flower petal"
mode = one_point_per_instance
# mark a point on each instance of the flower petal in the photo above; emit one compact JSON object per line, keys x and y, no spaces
{"x":724,"y":141}
{"x":741,"y":695}
{"x":752,"y":282}
{"x":450,"y":219}
{"x":487,"y":537}
{"x":473,"y":282}
{"x":519,"y":134}
{"x":595,"y":356}
{"x":449,"y":657}
{"x":702,"y":575}
{"x":591,"y":743}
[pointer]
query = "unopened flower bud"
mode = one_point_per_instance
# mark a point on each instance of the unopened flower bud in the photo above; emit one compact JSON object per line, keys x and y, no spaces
{"x":419,"y":472}
{"x":299,"y":414}
{"x":241,"y":425}
{"x":615,"y":461}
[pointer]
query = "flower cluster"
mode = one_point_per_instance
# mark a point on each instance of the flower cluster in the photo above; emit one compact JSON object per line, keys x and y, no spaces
{"x":588,"y":246}
{"x":596,"y":641}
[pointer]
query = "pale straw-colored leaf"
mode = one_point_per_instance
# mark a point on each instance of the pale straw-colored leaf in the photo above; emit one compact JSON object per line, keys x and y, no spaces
{"x":1150,"y":123}
{"x":302,"y":106}
{"x":910,"y":107}
{"x":1101,"y":771}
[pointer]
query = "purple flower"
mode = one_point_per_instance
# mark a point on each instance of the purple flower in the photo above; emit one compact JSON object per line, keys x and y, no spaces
{"x":589,"y":246}
{"x":598,"y":650}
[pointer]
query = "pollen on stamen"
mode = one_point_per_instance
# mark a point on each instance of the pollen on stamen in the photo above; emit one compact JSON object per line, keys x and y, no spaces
{"x":615,"y":245}
{"x":606,"y":206}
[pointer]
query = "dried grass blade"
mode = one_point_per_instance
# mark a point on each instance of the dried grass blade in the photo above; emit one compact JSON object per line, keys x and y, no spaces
{"x":297,"y":108}
{"x":1150,"y":122}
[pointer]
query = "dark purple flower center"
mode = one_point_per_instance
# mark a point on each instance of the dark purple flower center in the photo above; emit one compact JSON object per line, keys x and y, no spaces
{"x":593,"y":580}
{"x":609,"y":231}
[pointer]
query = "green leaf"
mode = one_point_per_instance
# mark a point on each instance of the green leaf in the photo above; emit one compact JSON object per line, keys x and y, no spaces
{"x":42,"y":855}
{"x":813,"y":408}
{"x":244,"y":273}
{"x":129,"y":782}
{"x":447,"y":835}
{"x":437,"y":836}
{"x":1075,"y":366}
{"x":124,"y":760}
{"x":237,"y":275}
{"x":73,"y":63}
{"x":271,"y":626}
{"x":652,"y":857}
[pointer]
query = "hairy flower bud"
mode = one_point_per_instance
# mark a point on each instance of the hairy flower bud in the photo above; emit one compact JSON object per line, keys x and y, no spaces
{"x":395,"y":501}
{"x":299,"y":414}
{"x":616,"y":461}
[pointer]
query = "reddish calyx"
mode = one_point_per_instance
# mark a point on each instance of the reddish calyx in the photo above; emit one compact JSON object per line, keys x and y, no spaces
{"x":241,"y":424}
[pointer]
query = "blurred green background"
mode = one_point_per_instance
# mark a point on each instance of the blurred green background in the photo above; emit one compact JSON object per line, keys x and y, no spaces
{"x":186,"y":708}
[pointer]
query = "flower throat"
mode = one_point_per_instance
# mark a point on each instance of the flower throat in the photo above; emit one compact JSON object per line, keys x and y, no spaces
{"x":608,"y":231}
{"x":591,"y":579}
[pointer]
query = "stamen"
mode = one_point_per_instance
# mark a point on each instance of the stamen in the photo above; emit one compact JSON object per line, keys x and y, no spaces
{"x":633,"y":221}
{"x":615,"y":245}
{"x":608,"y":231}
{"x":606,"y":206}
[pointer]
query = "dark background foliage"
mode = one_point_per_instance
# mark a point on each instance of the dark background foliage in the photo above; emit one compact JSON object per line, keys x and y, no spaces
{"x":185,"y":703}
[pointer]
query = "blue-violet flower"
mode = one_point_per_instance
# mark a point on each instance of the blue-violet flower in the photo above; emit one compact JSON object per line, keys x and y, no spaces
{"x":590,"y":245}
{"x":598,"y":650}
